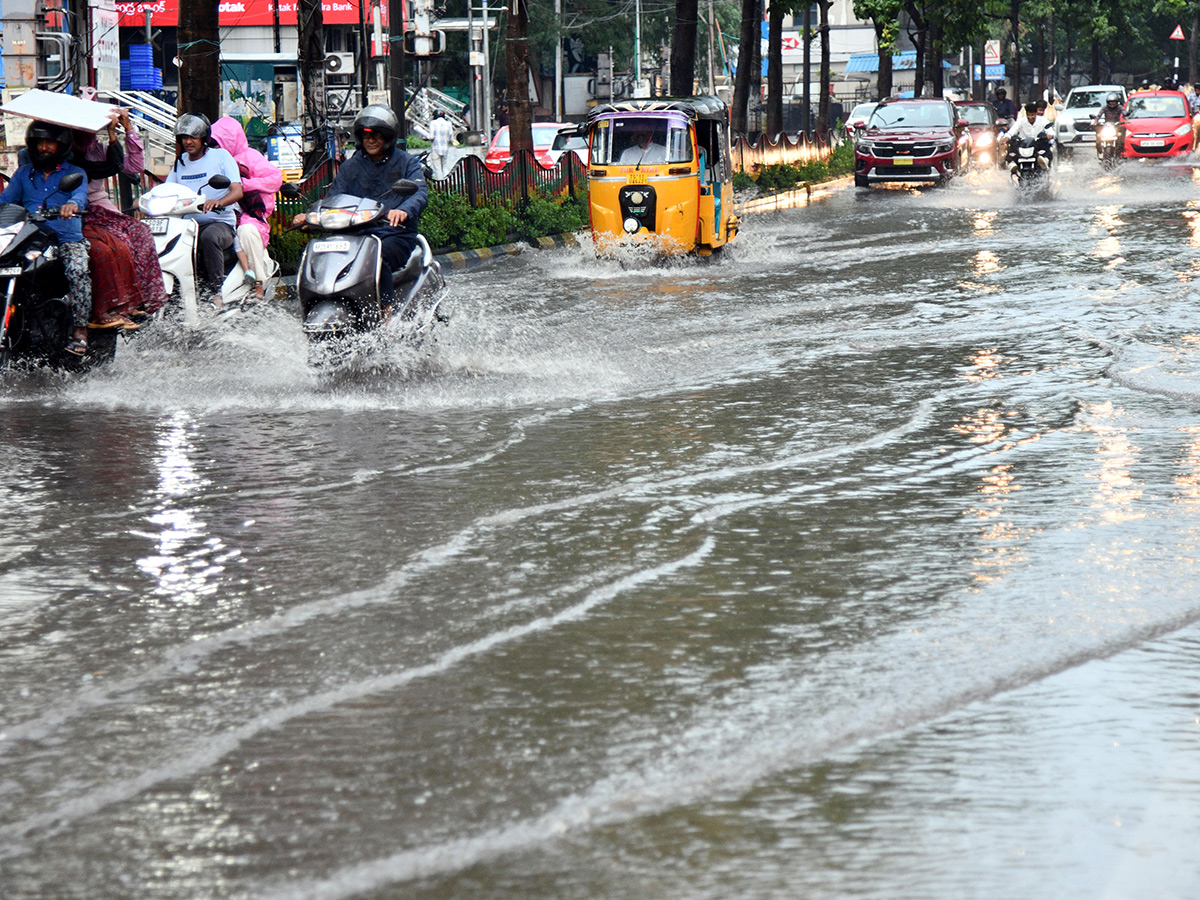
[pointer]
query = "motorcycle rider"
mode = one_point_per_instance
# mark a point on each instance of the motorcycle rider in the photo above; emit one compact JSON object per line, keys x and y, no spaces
{"x":1031,"y":125}
{"x":1005,"y":108}
{"x":370,"y":173}
{"x":1110,"y":113}
{"x":197,"y":160}
{"x":35,"y":184}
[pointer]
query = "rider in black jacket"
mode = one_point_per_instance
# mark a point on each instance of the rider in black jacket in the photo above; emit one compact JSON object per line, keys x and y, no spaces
{"x":370,"y":172}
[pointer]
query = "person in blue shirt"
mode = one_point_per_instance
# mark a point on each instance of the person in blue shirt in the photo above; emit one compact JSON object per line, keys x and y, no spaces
{"x":36,"y":185}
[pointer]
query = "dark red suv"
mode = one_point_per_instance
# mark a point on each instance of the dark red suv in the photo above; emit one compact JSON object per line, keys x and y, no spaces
{"x":912,"y":140}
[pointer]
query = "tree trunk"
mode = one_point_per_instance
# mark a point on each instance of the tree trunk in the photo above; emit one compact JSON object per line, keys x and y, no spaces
{"x":1191,"y":45}
{"x":199,"y":55}
{"x":756,"y":91}
{"x":918,"y":34}
{"x":937,"y":72}
{"x":742,"y":79}
{"x":310,"y":54}
{"x":883,"y":83}
{"x":1095,"y":60}
{"x":823,"y":105}
{"x":683,"y":49}
{"x":776,"y":12}
{"x":516,"y":59}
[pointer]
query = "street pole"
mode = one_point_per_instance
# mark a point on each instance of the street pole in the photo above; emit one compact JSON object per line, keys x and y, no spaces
{"x":637,"y":44}
{"x":396,"y":24}
{"x":558,"y":70}
{"x":487,"y":79}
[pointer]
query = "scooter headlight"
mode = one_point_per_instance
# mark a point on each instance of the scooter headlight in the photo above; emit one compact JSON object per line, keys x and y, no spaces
{"x":158,"y":206}
{"x":1108,"y":133}
{"x":335,"y":219}
{"x":985,"y":140}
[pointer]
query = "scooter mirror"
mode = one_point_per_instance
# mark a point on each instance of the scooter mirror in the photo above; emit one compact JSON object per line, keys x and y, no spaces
{"x":289,"y":190}
{"x":220,"y":182}
{"x":71,"y":182}
{"x":405,"y":187}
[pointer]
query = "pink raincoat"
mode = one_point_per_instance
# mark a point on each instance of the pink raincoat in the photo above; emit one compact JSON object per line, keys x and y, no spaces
{"x":258,"y":173}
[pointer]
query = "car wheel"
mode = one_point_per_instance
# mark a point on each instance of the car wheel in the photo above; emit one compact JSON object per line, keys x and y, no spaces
{"x":861,"y":181}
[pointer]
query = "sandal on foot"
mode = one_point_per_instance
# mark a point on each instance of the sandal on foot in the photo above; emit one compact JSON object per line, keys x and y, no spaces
{"x":113,"y":322}
{"x":77,"y":347}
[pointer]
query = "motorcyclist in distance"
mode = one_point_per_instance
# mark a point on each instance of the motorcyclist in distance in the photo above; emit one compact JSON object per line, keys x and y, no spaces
{"x":371,"y":172}
{"x":1110,"y":113}
{"x":1005,"y":108}
{"x":1031,"y":125}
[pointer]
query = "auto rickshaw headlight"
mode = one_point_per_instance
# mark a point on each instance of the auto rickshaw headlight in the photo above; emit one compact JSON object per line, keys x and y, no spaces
{"x":632,"y":225}
{"x":637,"y":197}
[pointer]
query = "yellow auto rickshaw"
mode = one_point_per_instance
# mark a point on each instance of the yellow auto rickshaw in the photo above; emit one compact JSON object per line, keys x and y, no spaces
{"x":659,"y":171}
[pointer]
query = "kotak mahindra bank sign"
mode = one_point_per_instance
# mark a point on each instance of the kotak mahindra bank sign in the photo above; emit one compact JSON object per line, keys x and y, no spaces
{"x":247,"y":12}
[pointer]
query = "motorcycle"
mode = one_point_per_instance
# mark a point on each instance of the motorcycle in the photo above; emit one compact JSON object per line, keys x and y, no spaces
{"x":165,"y":208}
{"x":1107,"y":150}
{"x":1028,"y":163}
{"x":36,"y":322}
{"x":338,"y":277}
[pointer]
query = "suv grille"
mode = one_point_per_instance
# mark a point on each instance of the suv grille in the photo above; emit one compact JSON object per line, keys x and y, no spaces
{"x":904,"y":148}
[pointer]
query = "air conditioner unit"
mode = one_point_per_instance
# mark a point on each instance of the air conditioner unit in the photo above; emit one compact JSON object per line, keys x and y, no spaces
{"x":339,"y":63}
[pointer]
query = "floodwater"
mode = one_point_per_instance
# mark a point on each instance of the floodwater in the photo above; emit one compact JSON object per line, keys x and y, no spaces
{"x":864,"y":563}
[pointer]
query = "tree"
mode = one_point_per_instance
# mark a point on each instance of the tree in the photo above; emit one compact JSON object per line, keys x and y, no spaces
{"x":310,"y":54}
{"x":199,"y":59}
{"x":885,"y":18}
{"x":775,"y":14}
{"x":823,"y":104}
{"x":748,"y":38}
{"x":683,"y":48}
{"x":516,"y":57}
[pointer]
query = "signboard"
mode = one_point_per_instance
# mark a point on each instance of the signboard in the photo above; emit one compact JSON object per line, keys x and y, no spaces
{"x":991,"y":53}
{"x":991,"y":73}
{"x":1177,"y":34}
{"x":244,"y":12}
{"x":60,"y":109}
{"x":106,"y":44}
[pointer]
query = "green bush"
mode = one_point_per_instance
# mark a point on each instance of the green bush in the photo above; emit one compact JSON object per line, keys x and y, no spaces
{"x":544,"y":216}
{"x":742,"y":181}
{"x":778,"y":177}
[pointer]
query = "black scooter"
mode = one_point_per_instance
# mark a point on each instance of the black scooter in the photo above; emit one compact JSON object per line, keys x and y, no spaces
{"x":36,"y":322}
{"x":338,"y":279}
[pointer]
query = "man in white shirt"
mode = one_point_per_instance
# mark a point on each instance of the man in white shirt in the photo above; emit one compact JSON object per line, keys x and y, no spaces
{"x":1031,"y":125}
{"x":442,"y":134}
{"x":198,"y":161}
{"x":643,"y":149}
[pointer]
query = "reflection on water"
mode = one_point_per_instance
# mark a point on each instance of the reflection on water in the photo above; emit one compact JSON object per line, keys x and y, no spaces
{"x":1117,"y":493}
{"x":188,"y":561}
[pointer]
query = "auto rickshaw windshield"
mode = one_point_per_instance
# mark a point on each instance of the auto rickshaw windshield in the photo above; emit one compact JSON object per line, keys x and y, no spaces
{"x":641,"y":140}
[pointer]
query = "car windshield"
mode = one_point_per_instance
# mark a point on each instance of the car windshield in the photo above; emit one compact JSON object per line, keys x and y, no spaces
{"x":862,"y":111}
{"x":1169,"y":107}
{"x":976,"y":115}
{"x":911,"y":115}
{"x":1087,"y":99}
{"x":648,"y":140}
{"x":544,"y":137}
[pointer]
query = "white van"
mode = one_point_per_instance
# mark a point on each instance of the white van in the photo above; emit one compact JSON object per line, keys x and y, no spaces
{"x":1076,"y":124}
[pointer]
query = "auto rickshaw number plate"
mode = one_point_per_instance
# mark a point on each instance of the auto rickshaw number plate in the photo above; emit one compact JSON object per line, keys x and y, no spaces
{"x":636,"y":178}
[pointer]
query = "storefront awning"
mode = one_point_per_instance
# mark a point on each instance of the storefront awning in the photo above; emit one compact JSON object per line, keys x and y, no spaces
{"x":869,"y":62}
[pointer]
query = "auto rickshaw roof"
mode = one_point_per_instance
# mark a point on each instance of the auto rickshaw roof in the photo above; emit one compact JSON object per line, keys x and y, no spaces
{"x":693,"y":107}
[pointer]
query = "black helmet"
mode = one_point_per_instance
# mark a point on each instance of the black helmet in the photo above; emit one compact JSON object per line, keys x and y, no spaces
{"x":193,"y":125}
{"x":1112,"y":99}
{"x":377,"y":119}
{"x":44,"y":131}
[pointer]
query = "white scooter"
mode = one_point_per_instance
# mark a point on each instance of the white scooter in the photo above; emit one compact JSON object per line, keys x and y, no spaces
{"x":165,"y":208}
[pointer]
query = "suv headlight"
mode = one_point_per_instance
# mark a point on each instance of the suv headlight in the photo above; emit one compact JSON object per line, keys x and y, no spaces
{"x":944,"y":148}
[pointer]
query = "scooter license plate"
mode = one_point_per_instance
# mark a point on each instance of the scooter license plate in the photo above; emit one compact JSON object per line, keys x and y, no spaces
{"x":10,"y":272}
{"x":1153,"y":143}
{"x":902,"y":161}
{"x":331,"y":247}
{"x":157,"y":225}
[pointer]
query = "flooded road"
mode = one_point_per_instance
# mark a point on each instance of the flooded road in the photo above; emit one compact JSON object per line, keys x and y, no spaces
{"x":864,"y":563}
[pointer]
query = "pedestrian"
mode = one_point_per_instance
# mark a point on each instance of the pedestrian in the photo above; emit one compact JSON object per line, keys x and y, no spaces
{"x":442,"y":133}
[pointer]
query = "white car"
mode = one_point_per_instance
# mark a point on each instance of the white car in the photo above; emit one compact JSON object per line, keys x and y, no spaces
{"x":1075,"y":124}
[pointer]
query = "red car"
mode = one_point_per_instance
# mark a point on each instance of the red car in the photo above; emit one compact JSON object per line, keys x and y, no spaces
{"x":981,"y":122}
{"x":1157,"y":123}
{"x":498,"y":153}
{"x":912,"y":140}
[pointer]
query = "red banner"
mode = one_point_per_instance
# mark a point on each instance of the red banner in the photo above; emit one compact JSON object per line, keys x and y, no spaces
{"x":247,"y":12}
